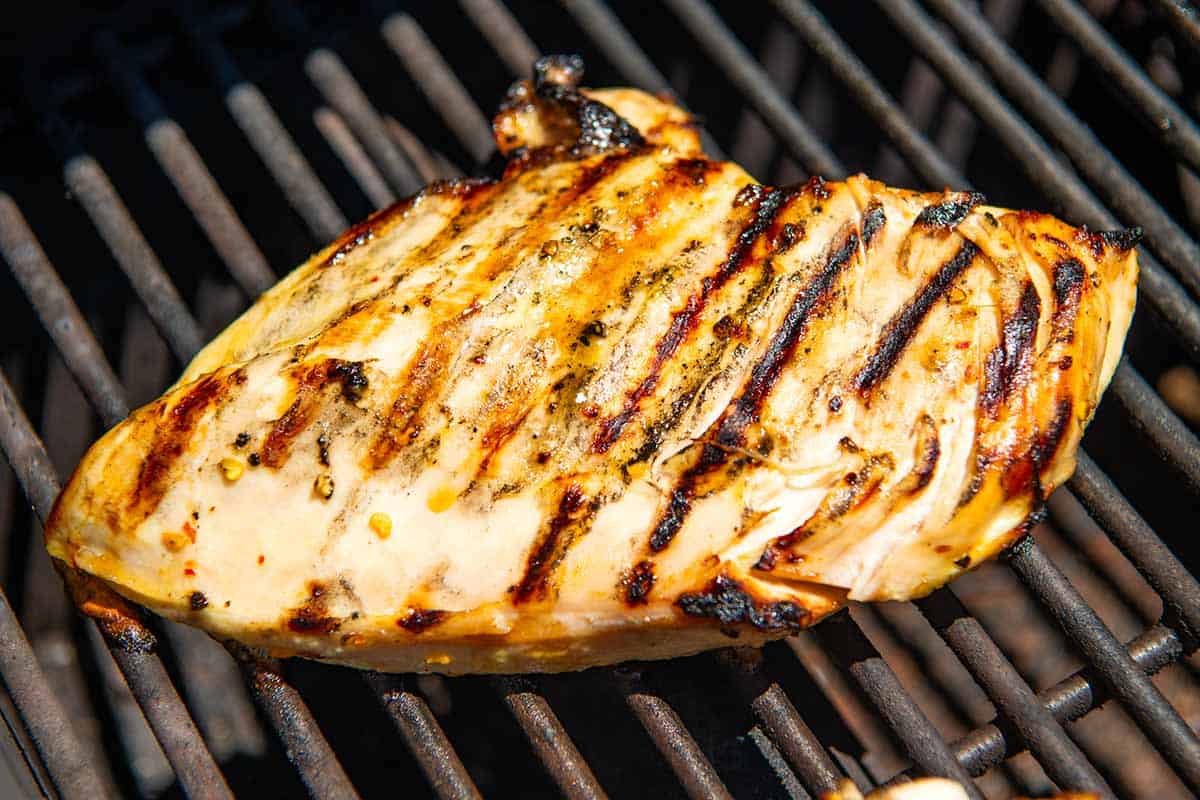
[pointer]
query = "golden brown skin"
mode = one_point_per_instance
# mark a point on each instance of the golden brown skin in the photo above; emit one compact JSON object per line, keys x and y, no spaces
{"x":622,"y":403}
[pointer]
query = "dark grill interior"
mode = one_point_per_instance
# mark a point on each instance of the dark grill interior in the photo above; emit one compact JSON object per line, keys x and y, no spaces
{"x":163,"y":165}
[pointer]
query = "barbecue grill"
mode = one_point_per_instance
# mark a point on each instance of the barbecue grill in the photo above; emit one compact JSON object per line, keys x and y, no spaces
{"x":201,"y":151}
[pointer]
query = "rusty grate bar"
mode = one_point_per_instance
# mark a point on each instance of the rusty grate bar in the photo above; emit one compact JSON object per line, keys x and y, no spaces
{"x":425,"y":739}
{"x":549,"y":739}
{"x":1117,"y":669}
{"x":74,"y":775}
{"x":1045,"y":738}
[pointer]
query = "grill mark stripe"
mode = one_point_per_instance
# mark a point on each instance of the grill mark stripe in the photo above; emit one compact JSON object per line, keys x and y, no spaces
{"x":901,"y":328}
{"x":947,"y":214}
{"x":172,"y":431}
{"x":783,"y":343}
{"x":684,"y":321}
{"x":548,"y":552}
{"x":1068,"y":287}
{"x":428,"y":369}
{"x":874,"y":219}
{"x":745,"y":409}
{"x":1008,"y":365}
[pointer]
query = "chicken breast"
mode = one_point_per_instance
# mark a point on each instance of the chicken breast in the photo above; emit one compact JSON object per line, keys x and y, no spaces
{"x":621,"y":403}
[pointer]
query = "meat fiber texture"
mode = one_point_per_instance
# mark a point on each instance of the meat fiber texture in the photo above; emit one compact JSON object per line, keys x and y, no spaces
{"x":622,"y":402}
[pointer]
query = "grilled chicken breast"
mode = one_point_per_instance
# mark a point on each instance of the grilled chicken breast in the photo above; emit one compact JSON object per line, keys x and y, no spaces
{"x":622,"y":403}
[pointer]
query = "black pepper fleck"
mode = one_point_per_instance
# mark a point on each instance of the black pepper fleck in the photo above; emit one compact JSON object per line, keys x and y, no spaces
{"x":198,"y":601}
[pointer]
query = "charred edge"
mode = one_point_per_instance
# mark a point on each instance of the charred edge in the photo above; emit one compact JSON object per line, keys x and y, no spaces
{"x":903,"y":326}
{"x":947,"y":214}
{"x":600,"y":128}
{"x":172,"y":435}
{"x":313,"y":616}
{"x":726,"y":601}
{"x":769,"y":205}
{"x":541,"y":560}
{"x":1123,"y":241}
{"x":711,"y":457}
{"x":418,"y":620}
{"x":783,"y":343}
{"x":1007,"y":366}
{"x":1068,"y":286}
{"x":637,"y":582}
{"x":874,"y":219}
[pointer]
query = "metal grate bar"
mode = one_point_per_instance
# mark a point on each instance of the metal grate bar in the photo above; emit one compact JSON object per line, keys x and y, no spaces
{"x":620,"y":48}
{"x":799,"y":745}
{"x":178,"y":158}
{"x":821,"y":38}
{"x":267,"y":135}
{"x":880,"y":756}
{"x":302,"y":740}
{"x":1176,"y":586}
{"x":58,"y":313}
{"x":1169,"y":122}
{"x":914,"y":732}
{"x":1045,"y":738}
{"x":754,"y":83}
{"x":353,"y":157}
{"x":1122,"y":192}
{"x":339,"y":88}
{"x":131,"y":644}
{"x":1149,"y":414}
{"x":550,"y":739}
{"x":1121,"y":675}
{"x":440,"y":85}
{"x":676,"y":745}
{"x":504,"y":33}
{"x":425,"y":739}
{"x":91,"y":187}
{"x":1070,"y":699}
{"x":1184,"y":19}
{"x":1045,"y":169}
{"x":74,"y":775}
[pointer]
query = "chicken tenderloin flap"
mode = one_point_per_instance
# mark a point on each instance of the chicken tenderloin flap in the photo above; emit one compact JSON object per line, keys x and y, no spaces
{"x":622,"y":402}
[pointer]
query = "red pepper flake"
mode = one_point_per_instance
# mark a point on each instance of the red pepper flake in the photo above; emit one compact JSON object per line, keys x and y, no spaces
{"x":190,"y":531}
{"x":189,"y":572}
{"x":261,"y":559}
{"x":591,"y":410}
{"x":962,"y":345}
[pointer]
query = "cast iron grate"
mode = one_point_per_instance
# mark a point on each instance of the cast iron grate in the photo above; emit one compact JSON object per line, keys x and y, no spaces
{"x":968,"y":700}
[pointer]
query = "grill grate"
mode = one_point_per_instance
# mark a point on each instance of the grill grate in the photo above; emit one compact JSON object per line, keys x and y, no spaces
{"x":893,"y":731}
